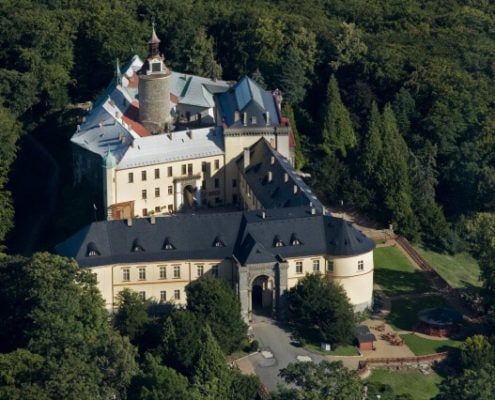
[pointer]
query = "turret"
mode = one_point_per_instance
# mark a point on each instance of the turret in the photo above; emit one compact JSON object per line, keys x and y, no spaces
{"x":154,"y":91}
{"x":109,"y":164}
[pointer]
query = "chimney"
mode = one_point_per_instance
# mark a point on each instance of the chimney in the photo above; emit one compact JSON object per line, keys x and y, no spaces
{"x":129,"y":221}
{"x":78,"y":128}
{"x":247,"y":157}
{"x":295,"y":189}
{"x":236,"y":116}
{"x":245,"y":118}
{"x":267,"y":117}
{"x":152,"y":219}
{"x":272,"y":160}
{"x":286,"y":177}
{"x":263,"y":215}
{"x":313,"y":211}
{"x":270,"y":176}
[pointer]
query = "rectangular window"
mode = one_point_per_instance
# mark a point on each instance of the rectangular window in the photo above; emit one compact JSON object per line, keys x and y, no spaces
{"x":130,"y":177}
{"x":145,"y":212}
{"x":157,"y":173}
{"x":234,"y":182}
{"x":177,"y":294}
{"x":143,"y":175}
{"x":203,"y":166}
{"x":157,"y":209}
{"x":217,"y":183}
{"x":142,"y":295}
{"x":163,"y":272}
{"x":157,"y":192}
{"x":170,"y":189}
{"x":360,"y":265}
{"x":214,"y":271}
{"x":144,"y":194}
{"x":163,"y":296}
{"x":170,"y":208}
{"x":184,"y":169}
{"x":126,"y":275}
{"x":299,"y":267}
{"x":142,"y":274}
{"x":169,"y":171}
{"x":316,"y":265}
{"x":176,"y":271}
{"x":201,"y":270}
{"x":217,"y":164}
{"x":189,"y":169}
{"x":330,"y":265}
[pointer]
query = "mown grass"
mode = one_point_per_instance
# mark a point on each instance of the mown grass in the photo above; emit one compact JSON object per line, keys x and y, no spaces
{"x":404,"y":312}
{"x":459,"y":270}
{"x":421,"y":346}
{"x":413,"y":383}
{"x":396,"y":275}
{"x":338,"y":351}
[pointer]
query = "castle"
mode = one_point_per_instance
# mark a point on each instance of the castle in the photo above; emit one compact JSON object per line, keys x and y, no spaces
{"x":167,"y":149}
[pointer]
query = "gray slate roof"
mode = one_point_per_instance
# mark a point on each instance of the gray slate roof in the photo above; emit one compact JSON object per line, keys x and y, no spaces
{"x":276,"y":193}
{"x":248,"y":236}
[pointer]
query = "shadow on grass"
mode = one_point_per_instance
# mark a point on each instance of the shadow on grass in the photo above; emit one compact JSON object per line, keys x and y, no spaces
{"x":404,"y":312}
{"x":395,"y":283}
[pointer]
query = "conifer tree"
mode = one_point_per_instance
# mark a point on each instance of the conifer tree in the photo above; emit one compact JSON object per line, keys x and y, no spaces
{"x":337,"y":131}
{"x":372,"y":146}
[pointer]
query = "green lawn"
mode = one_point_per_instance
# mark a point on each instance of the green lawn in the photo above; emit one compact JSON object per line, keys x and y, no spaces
{"x":395,"y":274}
{"x":460,"y":270}
{"x":421,"y":346}
{"x":417,"y":385}
{"x":338,"y":351}
{"x":404,"y":312}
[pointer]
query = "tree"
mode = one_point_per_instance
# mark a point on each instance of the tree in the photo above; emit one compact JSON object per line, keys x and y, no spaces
{"x":318,"y":302}
{"x":56,"y":312}
{"x":214,"y":301}
{"x":476,"y":384}
{"x":327,"y":380}
{"x":9,"y":135}
{"x":211,"y":375}
{"x":132,"y":316}
{"x":337,"y":131}
{"x":157,"y":382}
{"x":372,"y":145}
{"x":201,"y":57}
{"x":476,"y":352}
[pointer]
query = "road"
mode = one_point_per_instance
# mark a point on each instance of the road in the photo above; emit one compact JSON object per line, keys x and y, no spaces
{"x":276,"y":352}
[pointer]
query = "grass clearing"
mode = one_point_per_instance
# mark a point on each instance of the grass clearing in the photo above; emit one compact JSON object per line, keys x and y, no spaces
{"x":413,"y":383}
{"x":460,"y":270}
{"x":404,"y":312}
{"x":338,"y":351}
{"x":395,"y":274}
{"x":421,"y":346}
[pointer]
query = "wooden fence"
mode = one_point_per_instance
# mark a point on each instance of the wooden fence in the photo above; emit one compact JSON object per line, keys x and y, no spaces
{"x":409,"y":360}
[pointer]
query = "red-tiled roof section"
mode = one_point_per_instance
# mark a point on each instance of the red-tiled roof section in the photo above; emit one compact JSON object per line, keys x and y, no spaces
{"x":131,"y":118}
{"x":292,"y":140}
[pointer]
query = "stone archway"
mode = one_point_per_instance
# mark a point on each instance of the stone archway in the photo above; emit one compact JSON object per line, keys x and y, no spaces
{"x":262,"y":293}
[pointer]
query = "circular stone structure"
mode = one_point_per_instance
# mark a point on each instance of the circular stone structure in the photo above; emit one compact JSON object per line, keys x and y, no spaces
{"x":439,"y":321}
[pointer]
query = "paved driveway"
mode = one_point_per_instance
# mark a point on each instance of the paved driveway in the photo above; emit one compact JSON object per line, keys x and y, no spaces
{"x":276,"y":352}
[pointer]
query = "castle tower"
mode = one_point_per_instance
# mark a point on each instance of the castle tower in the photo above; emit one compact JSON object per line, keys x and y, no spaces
{"x":154,"y":92}
{"x":109,"y":164}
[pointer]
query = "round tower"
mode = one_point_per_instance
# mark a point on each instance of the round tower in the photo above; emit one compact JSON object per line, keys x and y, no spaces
{"x":153,"y":89}
{"x":109,"y":164}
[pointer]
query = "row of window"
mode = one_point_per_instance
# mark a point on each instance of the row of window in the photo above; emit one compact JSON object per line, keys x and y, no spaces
{"x":316,"y":266}
{"x":176,"y":272}
{"x":144,"y":192}
{"x":163,"y":295}
{"x":186,"y":169}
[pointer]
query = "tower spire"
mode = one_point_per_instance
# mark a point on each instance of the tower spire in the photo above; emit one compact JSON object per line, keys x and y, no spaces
{"x":154,"y":42}
{"x":118,"y":74}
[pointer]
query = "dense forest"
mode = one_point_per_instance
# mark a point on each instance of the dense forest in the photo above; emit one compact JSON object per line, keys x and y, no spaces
{"x":392,"y":104}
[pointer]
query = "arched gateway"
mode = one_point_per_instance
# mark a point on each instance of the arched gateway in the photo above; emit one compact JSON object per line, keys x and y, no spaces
{"x":262,"y":286}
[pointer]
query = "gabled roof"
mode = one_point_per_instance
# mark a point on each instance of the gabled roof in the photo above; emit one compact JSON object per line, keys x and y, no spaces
{"x":246,"y":96}
{"x":272,"y":178}
{"x":247,"y":236}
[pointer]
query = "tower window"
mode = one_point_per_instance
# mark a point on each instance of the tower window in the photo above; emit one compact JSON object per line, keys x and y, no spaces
{"x":156,"y":66}
{"x":360,"y":265}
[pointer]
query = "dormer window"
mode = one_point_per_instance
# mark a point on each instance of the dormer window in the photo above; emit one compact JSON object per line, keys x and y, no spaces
{"x":92,"y":250}
{"x":218,"y":242}
{"x":277,"y":242}
{"x":294,"y":240}
{"x":167,"y":244}
{"x":137,"y":246}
